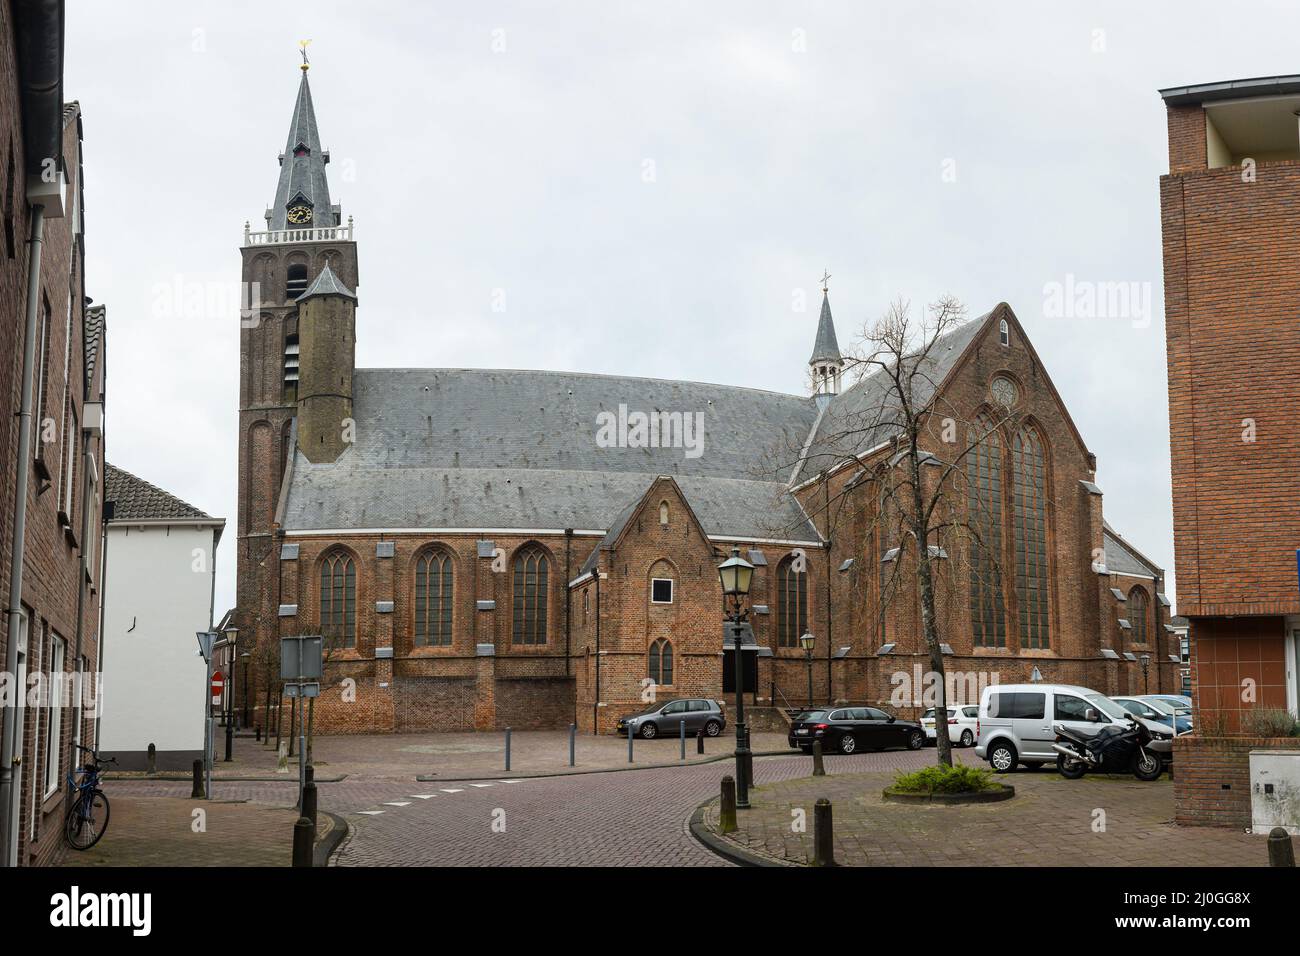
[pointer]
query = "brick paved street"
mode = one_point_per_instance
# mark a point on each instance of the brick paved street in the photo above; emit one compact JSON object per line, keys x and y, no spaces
{"x":639,"y":817}
{"x":145,"y":831}
{"x":1050,"y":822}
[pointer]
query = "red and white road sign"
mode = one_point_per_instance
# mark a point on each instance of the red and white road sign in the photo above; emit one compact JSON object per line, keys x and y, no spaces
{"x":218,"y":684}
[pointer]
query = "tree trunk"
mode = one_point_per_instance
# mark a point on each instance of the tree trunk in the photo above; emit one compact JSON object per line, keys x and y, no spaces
{"x":929,"y":621}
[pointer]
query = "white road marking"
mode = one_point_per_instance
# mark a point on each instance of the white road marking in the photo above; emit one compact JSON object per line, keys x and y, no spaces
{"x":424,"y":796}
{"x":445,"y":790}
{"x":397,"y":803}
{"x":480,"y":785}
{"x":371,"y":813}
{"x":509,"y":781}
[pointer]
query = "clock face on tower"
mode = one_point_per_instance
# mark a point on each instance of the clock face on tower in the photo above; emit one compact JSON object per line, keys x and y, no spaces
{"x":299,"y":215}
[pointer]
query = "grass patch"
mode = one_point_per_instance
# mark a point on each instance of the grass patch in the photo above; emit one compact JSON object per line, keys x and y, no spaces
{"x":957,"y":779}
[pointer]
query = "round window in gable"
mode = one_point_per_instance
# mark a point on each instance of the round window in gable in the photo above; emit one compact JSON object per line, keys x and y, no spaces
{"x":1004,"y":392}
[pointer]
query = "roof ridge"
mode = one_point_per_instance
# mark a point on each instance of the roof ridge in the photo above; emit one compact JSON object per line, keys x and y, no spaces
{"x":114,"y":473}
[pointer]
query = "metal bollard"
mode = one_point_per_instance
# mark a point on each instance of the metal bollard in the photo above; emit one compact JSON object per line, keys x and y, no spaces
{"x":309,"y":798}
{"x":823,"y":834}
{"x":683,"y":734}
{"x":727,"y":806}
{"x":257,"y":733}
{"x":304,"y":839}
{"x":1280,"y":851}
{"x":507,"y":748}
{"x":819,"y":769}
{"x":152,"y":766}
{"x":573,"y":737}
{"x":630,"y":735}
{"x":699,"y":741}
{"x":196,"y":793}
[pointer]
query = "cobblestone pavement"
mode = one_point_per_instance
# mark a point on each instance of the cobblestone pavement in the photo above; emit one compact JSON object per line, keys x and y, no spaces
{"x":1051,"y":821}
{"x":470,"y":755}
{"x":146,"y":831}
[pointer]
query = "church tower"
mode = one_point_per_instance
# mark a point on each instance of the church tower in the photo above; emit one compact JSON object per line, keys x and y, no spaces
{"x":296,"y":346}
{"x":826,"y":364}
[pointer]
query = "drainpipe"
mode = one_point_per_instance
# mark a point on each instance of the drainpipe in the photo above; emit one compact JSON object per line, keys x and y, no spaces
{"x":568,"y":599}
{"x":79,"y":682}
{"x":9,"y":752}
{"x":595,"y":704}
{"x":826,"y":497}
{"x":1160,"y":657}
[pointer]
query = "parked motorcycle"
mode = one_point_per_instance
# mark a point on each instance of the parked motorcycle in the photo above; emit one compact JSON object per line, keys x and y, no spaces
{"x":1135,"y":749}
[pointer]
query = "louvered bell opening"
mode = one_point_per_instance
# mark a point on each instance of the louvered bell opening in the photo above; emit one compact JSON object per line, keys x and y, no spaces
{"x":295,"y":282}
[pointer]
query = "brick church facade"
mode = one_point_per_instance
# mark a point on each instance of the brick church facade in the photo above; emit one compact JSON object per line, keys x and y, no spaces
{"x":492,"y":548}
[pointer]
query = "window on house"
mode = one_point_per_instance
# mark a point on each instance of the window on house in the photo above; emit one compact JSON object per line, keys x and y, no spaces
{"x":1004,"y":332}
{"x":1030,"y":519}
{"x":338,"y":599}
{"x":1137,"y":615}
{"x":584,"y":604}
{"x":661,"y":591}
{"x":433,"y":600}
{"x":663,"y":513}
{"x":661,"y":662}
{"x":984,"y":503}
{"x":791,"y":603}
{"x":42,"y":381}
{"x":295,"y":281}
{"x":530,"y":581}
{"x":54,"y":723}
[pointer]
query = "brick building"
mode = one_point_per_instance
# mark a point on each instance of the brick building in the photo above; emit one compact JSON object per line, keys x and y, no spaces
{"x":490,"y":548}
{"x":51,"y":436}
{"x":1230,"y":207}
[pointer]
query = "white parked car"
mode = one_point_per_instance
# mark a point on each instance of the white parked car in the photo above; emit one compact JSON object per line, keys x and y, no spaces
{"x":963,"y":724}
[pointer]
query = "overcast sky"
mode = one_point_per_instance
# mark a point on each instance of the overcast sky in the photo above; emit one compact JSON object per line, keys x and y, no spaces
{"x":650,"y":186}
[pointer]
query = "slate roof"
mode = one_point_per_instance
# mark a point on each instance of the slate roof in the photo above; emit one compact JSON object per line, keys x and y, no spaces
{"x":327,"y":283}
{"x":826,"y":346}
{"x":485,"y":449}
{"x":94,"y":336}
{"x":1121,"y":558}
{"x":854,"y":421}
{"x":305,"y":174}
{"x":135,"y":499}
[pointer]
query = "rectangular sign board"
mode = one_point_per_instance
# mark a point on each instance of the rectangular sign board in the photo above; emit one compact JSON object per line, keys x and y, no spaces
{"x":300,"y":658}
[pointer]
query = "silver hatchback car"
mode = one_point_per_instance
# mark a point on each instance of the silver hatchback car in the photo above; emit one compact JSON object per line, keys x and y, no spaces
{"x":665,"y":717}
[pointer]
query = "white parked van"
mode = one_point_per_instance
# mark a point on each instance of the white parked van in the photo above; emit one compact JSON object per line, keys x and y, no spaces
{"x":1016,"y":721}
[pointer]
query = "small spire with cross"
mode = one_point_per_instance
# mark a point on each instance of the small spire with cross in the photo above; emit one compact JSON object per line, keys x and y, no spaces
{"x":826,"y":278}
{"x":306,"y":65}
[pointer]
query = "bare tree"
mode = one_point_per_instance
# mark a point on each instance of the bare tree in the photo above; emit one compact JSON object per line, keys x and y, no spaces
{"x":899,"y":437}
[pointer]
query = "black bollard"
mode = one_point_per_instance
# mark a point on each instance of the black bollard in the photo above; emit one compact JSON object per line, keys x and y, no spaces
{"x":304,"y":839}
{"x":230,"y":738}
{"x":257,"y":732}
{"x":1280,"y":851}
{"x":819,"y":769}
{"x":309,"y":799}
{"x":823,"y":834}
{"x":699,"y":741}
{"x":197,"y":792}
{"x":152,"y":766}
{"x":573,"y":733}
{"x":727,"y":807}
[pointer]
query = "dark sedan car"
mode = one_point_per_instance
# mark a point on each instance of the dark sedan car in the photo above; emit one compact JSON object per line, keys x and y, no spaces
{"x":847,"y":730}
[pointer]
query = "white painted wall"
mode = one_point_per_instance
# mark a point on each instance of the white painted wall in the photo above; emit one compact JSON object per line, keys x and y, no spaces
{"x":154,"y":680}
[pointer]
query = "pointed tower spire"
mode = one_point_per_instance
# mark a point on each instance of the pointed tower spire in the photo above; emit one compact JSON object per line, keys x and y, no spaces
{"x":826,"y":363}
{"x":302,"y":196}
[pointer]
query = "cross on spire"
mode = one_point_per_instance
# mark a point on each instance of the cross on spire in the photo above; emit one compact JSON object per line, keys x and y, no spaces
{"x":826,"y":277}
{"x":306,"y":65}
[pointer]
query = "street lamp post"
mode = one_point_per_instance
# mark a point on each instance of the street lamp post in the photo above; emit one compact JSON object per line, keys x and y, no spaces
{"x":232,"y":637}
{"x":1146,"y":663}
{"x":736,"y":574}
{"x":808,"y":641}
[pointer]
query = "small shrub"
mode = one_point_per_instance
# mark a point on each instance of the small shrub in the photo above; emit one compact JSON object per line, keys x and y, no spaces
{"x":956,"y":779}
{"x":1270,"y":722}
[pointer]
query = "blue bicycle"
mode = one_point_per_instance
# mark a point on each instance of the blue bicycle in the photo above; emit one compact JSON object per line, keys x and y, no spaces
{"x":87,"y":817}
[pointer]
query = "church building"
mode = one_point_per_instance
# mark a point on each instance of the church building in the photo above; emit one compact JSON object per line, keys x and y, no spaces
{"x":484,"y":548}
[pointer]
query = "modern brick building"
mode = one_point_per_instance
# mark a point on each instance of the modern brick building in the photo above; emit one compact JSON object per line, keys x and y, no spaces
{"x":490,"y":548}
{"x":51,"y":437}
{"x":1230,"y":208}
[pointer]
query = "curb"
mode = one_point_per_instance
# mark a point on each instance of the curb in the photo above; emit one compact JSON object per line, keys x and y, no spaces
{"x":434,"y":778}
{"x":325,"y":848}
{"x":1004,"y":792}
{"x":720,"y":846}
{"x":186,"y":778}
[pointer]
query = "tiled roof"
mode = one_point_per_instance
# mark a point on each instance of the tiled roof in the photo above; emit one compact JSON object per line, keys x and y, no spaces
{"x":1121,"y":558}
{"x":94,"y":336}
{"x":826,"y":346}
{"x":303,"y":175}
{"x":327,"y":283}
{"x":135,"y":499}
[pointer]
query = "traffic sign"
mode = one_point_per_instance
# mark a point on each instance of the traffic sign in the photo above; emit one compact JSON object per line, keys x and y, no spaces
{"x":218,"y":684}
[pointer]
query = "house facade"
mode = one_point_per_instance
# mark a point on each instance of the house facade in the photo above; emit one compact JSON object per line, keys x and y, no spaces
{"x":489,"y":548}
{"x":160,"y":577}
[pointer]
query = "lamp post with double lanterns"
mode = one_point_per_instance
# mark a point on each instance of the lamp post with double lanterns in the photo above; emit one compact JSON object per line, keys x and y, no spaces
{"x":737,"y":574}
{"x":232,"y":638}
{"x":807,"y":641}
{"x":1145,"y":660}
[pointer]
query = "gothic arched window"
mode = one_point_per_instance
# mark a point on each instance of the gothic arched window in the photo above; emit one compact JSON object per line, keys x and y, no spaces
{"x":530,"y":575}
{"x":1138,"y":609}
{"x":791,"y":603}
{"x":1030,"y":518}
{"x":433,"y":592}
{"x":661,"y":662}
{"x":988,"y":610}
{"x":338,"y":599}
